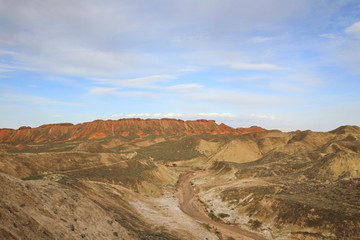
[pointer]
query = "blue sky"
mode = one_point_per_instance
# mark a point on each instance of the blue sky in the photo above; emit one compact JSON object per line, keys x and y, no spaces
{"x":280,"y":64}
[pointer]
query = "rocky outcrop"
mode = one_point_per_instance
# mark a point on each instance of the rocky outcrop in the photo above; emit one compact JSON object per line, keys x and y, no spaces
{"x":250,"y":129}
{"x":117,"y":128}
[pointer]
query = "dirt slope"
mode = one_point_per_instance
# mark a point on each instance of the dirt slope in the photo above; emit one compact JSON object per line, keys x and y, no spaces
{"x":50,"y":210}
{"x":306,"y":187}
{"x":191,"y":206}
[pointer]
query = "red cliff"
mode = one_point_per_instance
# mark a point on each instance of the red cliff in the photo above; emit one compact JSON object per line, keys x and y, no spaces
{"x":122,"y":127}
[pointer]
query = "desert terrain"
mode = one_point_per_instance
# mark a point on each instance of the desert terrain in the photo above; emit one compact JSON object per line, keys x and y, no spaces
{"x":174,"y":179}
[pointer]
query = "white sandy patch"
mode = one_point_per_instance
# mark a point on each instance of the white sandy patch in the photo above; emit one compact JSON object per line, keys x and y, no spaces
{"x":210,"y":195}
{"x":165,"y":212}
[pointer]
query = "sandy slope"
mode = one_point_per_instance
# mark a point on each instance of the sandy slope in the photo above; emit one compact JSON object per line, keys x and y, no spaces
{"x":165,"y":212}
{"x":191,"y":206}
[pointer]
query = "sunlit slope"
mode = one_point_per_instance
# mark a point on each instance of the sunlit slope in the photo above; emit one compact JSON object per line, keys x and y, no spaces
{"x":305,"y":188}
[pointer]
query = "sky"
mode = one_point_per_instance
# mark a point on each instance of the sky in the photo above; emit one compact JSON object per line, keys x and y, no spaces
{"x":279,"y":64}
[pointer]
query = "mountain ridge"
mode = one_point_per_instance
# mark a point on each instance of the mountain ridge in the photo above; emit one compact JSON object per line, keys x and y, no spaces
{"x":115,"y":128}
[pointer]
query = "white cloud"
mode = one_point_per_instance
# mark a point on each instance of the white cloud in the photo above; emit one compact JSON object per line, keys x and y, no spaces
{"x":354,"y":29}
{"x":63,"y":80}
{"x":289,"y":87}
{"x":328,"y":35}
{"x":103,"y":91}
{"x":226,"y":115}
{"x":6,"y":97}
{"x":344,"y":53}
{"x":57,"y":116}
{"x":82,"y":61}
{"x":184,"y":87}
{"x":191,"y":69}
{"x":4,"y":70}
{"x":138,"y":94}
{"x":142,"y":82}
{"x":13,"y":66}
{"x":261,"y":39}
{"x":250,"y":66}
{"x":111,"y":40}
{"x":268,"y":117}
{"x":239,"y":99}
{"x":241,"y":79}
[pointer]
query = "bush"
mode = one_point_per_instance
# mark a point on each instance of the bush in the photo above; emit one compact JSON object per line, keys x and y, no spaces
{"x":255,"y":223}
{"x":207,"y":226}
{"x":34,"y":177}
{"x":63,"y":180}
{"x":223,"y":215}
{"x":212,"y":215}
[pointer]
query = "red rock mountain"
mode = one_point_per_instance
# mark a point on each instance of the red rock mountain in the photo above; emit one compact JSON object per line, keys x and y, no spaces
{"x":122,"y":127}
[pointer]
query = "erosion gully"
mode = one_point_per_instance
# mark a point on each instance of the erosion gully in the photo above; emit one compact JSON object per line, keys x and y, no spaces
{"x":190,"y":205}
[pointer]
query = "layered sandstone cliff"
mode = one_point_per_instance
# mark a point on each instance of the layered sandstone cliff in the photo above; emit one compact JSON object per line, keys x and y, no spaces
{"x":123,"y":127}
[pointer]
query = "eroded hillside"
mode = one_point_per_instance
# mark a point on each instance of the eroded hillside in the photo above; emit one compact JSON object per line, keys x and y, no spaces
{"x":138,"y":185}
{"x":306,"y":187}
{"x":131,"y":128}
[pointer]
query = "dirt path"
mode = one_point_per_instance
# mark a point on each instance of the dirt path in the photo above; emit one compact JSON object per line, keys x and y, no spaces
{"x":190,"y":205}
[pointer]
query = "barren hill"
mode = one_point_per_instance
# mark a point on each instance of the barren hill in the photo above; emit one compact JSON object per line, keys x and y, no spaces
{"x":174,"y":179}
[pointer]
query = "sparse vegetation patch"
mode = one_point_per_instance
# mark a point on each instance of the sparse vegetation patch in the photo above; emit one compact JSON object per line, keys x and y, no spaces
{"x":223,"y":215}
{"x":255,"y":224}
{"x":212,"y":215}
{"x":182,"y":149}
{"x":34,"y":177}
{"x":63,"y":180}
{"x":207,"y":226}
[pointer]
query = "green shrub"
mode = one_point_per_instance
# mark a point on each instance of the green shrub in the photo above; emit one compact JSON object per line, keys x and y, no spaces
{"x":34,"y":177}
{"x":207,"y":226}
{"x":63,"y":180}
{"x":255,"y":223}
{"x":223,"y":215}
{"x":212,"y":215}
